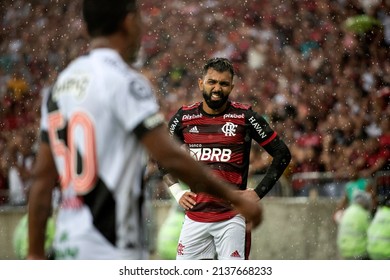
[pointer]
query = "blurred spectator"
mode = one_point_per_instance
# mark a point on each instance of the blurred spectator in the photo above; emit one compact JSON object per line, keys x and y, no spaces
{"x":353,"y":185}
{"x":374,"y":158}
{"x":378,"y":233}
{"x":21,"y":158}
{"x":352,"y":230}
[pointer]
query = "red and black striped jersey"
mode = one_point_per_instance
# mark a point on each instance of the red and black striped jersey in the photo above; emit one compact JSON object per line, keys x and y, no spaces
{"x":223,"y":143}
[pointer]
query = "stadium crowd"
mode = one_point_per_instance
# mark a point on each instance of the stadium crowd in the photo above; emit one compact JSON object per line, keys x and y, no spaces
{"x":319,"y":70}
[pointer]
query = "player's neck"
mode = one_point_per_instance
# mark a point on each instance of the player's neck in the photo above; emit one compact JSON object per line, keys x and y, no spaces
{"x":106,"y":42}
{"x":100,"y":42}
{"x":114,"y":42}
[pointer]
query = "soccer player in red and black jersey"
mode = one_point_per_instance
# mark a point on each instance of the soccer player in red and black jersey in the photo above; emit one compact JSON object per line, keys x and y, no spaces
{"x":219,"y":133}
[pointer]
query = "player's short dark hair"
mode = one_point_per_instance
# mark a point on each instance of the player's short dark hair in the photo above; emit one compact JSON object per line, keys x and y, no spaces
{"x":219,"y":64}
{"x":103,"y":17}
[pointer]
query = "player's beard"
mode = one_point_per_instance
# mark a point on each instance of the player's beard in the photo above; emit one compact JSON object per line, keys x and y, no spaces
{"x":214,"y":104}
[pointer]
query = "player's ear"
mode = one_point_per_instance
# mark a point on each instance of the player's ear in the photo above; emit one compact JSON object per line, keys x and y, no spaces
{"x":200,"y":83}
{"x":128,"y":22}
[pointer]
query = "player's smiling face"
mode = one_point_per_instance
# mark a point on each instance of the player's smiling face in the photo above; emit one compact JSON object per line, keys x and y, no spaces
{"x":216,"y":87}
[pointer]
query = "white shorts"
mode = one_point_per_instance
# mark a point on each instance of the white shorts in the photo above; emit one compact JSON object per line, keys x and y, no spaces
{"x":223,"y":240}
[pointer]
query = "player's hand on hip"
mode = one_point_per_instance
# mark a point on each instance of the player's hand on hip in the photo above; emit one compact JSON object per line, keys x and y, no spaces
{"x":251,"y":194}
{"x":187,"y":200}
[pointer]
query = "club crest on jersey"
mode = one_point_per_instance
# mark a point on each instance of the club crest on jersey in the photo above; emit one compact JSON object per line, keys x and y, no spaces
{"x":140,"y":90}
{"x":229,"y":129}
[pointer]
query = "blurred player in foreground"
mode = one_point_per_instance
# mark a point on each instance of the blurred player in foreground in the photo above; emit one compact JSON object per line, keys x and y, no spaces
{"x":98,"y":123}
{"x":219,"y":132}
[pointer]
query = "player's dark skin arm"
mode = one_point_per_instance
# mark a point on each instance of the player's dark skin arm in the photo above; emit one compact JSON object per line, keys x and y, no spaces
{"x":44,"y":177}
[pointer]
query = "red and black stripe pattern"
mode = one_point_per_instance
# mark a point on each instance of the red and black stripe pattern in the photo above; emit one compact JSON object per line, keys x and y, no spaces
{"x":222,"y":142}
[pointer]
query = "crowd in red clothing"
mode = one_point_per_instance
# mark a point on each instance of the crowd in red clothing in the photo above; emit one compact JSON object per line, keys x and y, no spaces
{"x":318,"y":70}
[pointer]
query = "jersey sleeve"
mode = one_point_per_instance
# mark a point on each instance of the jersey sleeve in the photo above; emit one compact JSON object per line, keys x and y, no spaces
{"x":263,"y":134}
{"x":135,"y":105}
{"x":175,"y":124}
{"x":260,"y":130}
